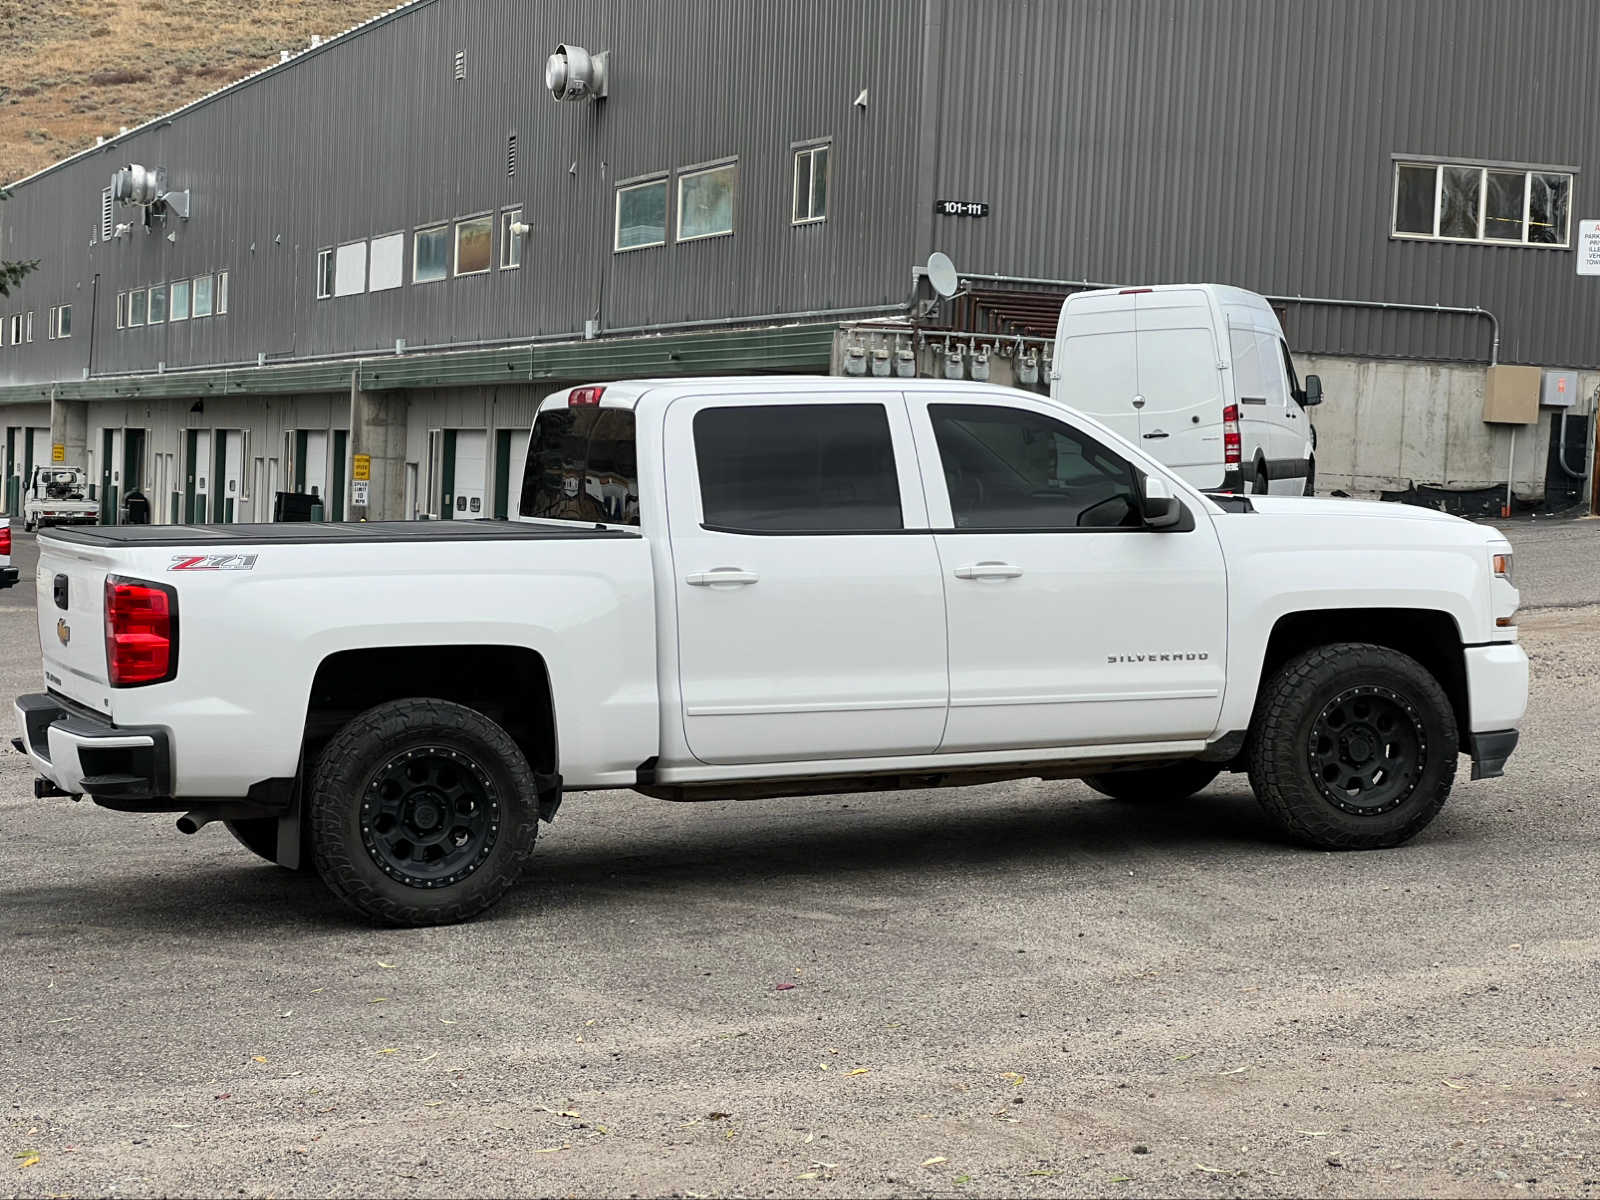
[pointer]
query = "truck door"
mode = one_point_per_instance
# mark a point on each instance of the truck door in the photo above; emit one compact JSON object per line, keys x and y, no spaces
{"x":1070,"y":623}
{"x":809,"y":606}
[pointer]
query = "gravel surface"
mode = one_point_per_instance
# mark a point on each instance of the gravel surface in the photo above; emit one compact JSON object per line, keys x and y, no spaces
{"x":1019,"y":989}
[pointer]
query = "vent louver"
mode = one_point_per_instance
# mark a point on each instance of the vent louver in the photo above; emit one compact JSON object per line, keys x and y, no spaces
{"x":511,"y":156}
{"x":461,"y":65}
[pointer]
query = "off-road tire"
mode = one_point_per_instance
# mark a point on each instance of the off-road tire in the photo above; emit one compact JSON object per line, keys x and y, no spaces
{"x":1281,"y":753}
{"x":346,"y":778}
{"x":1173,"y":781}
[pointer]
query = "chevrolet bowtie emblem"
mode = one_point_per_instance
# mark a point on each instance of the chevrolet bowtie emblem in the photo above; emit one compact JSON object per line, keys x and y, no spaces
{"x":63,"y":631}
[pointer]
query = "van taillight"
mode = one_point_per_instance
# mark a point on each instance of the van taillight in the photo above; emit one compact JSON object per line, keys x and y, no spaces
{"x":141,"y":632}
{"x":1230,"y":435}
{"x":5,"y":538}
{"x":584,"y":395}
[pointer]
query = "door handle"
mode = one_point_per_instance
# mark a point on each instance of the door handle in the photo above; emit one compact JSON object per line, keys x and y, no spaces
{"x":988,"y":570}
{"x":721,"y":577}
{"x":1157,"y":433}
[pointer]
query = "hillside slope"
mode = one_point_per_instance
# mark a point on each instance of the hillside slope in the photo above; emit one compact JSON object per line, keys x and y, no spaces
{"x":74,"y":69}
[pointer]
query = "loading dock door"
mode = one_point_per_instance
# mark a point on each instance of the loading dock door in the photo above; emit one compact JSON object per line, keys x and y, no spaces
{"x":199,"y":479}
{"x":312,"y":469}
{"x":471,"y":445}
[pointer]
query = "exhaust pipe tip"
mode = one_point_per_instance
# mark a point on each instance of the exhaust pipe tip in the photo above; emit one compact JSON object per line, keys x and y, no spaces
{"x":194,"y":822}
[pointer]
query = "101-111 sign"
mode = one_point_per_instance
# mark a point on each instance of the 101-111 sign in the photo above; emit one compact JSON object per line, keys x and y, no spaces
{"x":961,"y":208}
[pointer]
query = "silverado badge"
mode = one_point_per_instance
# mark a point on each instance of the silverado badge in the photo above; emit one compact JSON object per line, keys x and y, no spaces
{"x":63,"y":631}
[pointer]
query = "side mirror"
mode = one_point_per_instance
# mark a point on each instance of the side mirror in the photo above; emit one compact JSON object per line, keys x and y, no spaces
{"x":1313,"y":392}
{"x":1162,"y":509}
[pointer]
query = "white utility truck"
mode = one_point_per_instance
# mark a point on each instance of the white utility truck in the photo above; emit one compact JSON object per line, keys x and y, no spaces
{"x":743,"y":588}
{"x":1199,"y":376}
{"x":8,"y":573}
{"x":58,"y":495}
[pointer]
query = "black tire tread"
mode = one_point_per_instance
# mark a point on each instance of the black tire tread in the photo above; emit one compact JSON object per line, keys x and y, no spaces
{"x":1285,"y":792}
{"x":330,"y":794}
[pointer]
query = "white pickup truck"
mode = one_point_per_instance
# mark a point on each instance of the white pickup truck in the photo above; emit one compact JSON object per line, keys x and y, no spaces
{"x":742,"y":588}
{"x":57,"y":495}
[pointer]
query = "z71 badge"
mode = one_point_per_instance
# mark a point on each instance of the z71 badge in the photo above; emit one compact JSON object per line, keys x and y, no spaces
{"x":213,"y":562}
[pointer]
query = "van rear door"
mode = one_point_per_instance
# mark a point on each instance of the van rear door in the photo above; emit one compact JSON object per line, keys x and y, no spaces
{"x":1096,"y":368}
{"x":1181,"y":383}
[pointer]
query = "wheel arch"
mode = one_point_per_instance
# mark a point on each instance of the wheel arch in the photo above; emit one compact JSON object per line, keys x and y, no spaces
{"x":508,"y":684}
{"x":1431,"y":636}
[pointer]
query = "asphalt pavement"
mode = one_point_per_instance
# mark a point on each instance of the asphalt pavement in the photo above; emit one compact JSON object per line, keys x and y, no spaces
{"x":1019,"y":989}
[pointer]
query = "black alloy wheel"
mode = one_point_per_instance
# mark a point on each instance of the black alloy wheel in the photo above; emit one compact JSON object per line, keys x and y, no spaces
{"x":1367,"y":750}
{"x":430,"y":816}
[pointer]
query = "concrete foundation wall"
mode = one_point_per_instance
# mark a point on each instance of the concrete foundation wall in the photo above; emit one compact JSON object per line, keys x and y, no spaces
{"x":1384,"y":426}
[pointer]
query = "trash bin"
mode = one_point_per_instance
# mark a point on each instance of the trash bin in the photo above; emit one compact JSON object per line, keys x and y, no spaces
{"x":135,"y":509}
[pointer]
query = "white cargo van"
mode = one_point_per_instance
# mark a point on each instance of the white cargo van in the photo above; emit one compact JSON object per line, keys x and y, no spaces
{"x":1196,"y":375}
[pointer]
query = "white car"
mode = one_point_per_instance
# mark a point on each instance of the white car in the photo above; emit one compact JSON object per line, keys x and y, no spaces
{"x":58,"y":495}
{"x":735,"y":588}
{"x":1199,"y":376}
{"x":8,"y":573}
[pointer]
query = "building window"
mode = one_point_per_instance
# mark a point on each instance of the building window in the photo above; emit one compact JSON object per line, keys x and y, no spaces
{"x":180,"y":300}
{"x":324,"y":274}
{"x":203,"y":295}
{"x":430,"y":254}
{"x":136,"y":310}
{"x":641,"y":216}
{"x":474,"y":245}
{"x":16,"y":330}
{"x":122,"y":310}
{"x":511,"y":239}
{"x":705,"y":202}
{"x":222,"y":292}
{"x":30,"y":325}
{"x":350,"y":269}
{"x":387,"y":267}
{"x":811,"y":185}
{"x":64,"y":321}
{"x":1493,"y":205}
{"x":158,"y":306}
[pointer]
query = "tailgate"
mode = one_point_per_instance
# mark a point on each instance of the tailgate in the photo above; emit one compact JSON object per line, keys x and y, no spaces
{"x":72,"y":636}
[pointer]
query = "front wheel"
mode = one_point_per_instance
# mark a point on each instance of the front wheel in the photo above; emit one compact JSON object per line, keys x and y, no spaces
{"x":1174,"y":781}
{"x":422,"y":812}
{"x":1353,"y":747}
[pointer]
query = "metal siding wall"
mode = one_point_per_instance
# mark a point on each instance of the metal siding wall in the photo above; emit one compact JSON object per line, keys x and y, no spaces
{"x":1245,"y":142}
{"x":374,"y":135}
{"x":1149,"y":140}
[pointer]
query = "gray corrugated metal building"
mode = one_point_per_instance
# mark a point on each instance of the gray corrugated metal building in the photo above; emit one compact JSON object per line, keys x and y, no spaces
{"x":1139,"y":141}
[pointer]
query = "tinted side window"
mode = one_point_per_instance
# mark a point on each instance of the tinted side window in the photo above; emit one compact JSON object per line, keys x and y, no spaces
{"x":815,"y":468}
{"x":582,"y":466}
{"x":1007,"y":468}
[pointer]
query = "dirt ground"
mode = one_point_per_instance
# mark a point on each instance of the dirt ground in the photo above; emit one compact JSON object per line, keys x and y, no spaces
{"x":1019,"y":990}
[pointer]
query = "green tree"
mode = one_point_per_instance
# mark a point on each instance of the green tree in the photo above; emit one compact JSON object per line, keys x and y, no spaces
{"x":12,"y":273}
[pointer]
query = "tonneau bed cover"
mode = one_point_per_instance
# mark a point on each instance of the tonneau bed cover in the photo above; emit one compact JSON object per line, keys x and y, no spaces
{"x":290,"y":533}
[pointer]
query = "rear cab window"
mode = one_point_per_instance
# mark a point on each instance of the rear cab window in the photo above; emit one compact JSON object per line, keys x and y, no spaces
{"x":583,"y":465}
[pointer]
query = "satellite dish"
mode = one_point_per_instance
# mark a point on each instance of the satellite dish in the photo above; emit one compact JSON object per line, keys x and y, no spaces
{"x":942,"y":273}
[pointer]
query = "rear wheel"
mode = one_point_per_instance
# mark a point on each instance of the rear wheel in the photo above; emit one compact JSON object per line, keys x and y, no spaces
{"x":1311,"y":477}
{"x":1353,"y":747}
{"x":1174,"y":781}
{"x":1259,"y":484}
{"x":422,"y":812}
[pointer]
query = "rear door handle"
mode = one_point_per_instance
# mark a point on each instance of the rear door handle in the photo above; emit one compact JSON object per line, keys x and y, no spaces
{"x":721,"y":577}
{"x":988,"y":570}
{"x":1157,"y":433}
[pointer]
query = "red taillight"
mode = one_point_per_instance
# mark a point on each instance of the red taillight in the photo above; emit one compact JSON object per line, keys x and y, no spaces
{"x":584,"y":395}
{"x":5,"y":538}
{"x":1230,"y":435}
{"x":141,"y":632}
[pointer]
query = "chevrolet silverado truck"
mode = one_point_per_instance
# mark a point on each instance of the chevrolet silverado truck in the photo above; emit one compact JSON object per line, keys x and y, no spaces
{"x":746,"y":588}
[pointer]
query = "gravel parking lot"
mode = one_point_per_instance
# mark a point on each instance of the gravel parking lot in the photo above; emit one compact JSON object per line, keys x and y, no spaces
{"x":1020,"y":989}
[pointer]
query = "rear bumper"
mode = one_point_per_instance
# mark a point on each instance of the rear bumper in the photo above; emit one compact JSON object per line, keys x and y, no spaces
{"x":80,"y":751}
{"x":9,"y":577}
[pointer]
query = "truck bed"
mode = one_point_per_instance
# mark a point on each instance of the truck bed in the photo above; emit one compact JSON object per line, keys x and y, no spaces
{"x":302,"y":533}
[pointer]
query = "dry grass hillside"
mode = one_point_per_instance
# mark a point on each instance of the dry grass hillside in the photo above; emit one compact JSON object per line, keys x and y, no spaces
{"x":72,"y":69}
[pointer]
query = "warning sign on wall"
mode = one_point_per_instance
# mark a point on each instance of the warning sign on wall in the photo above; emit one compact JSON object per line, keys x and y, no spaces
{"x":361,"y":466}
{"x":360,"y":493}
{"x":58,"y":453}
{"x":1589,"y":247}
